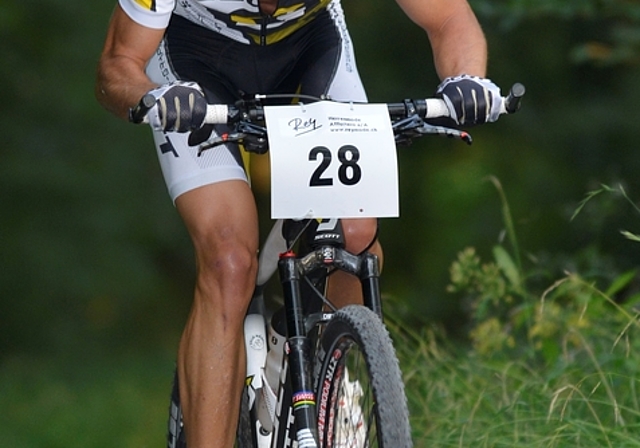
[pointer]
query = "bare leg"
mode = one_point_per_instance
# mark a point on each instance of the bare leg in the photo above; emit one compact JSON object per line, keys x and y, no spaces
{"x":344,"y":289}
{"x":221,"y":219}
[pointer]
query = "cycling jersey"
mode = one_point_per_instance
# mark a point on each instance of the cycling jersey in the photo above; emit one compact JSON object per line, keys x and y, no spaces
{"x":241,"y":20}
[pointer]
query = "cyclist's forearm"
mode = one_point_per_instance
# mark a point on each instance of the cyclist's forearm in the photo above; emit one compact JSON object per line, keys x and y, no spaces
{"x":120,"y":84}
{"x":459,"y":46}
{"x":121,"y":80}
{"x":455,"y":35}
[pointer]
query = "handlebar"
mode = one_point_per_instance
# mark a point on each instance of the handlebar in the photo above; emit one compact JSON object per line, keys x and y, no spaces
{"x":407,"y":117}
{"x":431,"y":108}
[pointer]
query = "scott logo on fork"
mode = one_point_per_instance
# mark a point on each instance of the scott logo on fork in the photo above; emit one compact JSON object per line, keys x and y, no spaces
{"x":327,"y":231}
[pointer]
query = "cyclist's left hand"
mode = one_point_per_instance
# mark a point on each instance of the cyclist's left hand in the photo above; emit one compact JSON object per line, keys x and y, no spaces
{"x":471,"y":100}
{"x":180,"y":107}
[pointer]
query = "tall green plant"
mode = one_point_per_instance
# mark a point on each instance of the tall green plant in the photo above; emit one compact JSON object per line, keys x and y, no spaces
{"x":554,"y":367}
{"x":508,"y":315}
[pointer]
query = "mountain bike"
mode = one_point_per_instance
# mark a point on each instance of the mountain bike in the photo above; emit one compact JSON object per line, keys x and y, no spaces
{"x":318,"y":376}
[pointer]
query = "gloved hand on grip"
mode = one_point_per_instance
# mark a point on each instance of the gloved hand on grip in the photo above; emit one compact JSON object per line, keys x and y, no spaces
{"x":180,"y":106}
{"x":470,"y":99}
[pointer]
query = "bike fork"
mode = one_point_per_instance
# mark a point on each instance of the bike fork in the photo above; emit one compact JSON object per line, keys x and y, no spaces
{"x":369,"y":274}
{"x":303,"y":398}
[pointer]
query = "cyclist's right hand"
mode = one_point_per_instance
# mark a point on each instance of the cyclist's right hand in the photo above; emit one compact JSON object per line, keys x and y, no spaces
{"x":180,"y":106}
{"x":471,"y":100}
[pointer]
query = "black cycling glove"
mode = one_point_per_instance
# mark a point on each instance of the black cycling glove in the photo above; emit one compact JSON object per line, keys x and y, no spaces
{"x":180,"y":107}
{"x":470,"y":99}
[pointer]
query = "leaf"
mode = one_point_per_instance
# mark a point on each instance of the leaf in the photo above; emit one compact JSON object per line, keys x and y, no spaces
{"x":508,"y":267}
{"x":590,"y":195}
{"x":629,"y":200}
{"x":630,"y":236}
{"x":508,"y":220}
{"x":621,"y":282}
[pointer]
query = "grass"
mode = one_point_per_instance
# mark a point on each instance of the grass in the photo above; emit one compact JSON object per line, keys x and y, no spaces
{"x":586,"y":396}
{"x":569,"y":378}
{"x":459,"y":399}
{"x":560,"y":369}
{"x":556,"y":369}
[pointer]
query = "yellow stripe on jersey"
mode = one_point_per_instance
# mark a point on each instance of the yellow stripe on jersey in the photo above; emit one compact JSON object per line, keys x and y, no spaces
{"x":247,"y":20}
{"x":287,"y":29}
{"x":147,"y":4}
{"x":296,"y":25}
{"x":281,"y":11}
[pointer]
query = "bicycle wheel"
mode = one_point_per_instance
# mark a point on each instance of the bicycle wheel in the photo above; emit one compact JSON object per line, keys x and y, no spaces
{"x":175,"y":434}
{"x":245,"y":435}
{"x":359,"y":388}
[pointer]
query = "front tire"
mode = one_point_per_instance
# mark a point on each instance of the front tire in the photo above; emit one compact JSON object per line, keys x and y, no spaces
{"x":359,"y":389}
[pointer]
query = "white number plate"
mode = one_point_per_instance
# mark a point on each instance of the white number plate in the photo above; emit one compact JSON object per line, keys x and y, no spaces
{"x":332,"y":160}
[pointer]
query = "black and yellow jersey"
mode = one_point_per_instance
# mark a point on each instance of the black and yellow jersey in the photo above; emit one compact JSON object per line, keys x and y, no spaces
{"x":241,"y":20}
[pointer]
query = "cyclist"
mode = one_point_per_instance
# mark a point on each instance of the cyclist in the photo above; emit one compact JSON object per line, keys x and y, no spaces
{"x":185,"y":52}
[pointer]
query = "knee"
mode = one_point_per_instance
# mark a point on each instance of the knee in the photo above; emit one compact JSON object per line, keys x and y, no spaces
{"x":359,"y":234}
{"x":226,"y":266}
{"x":228,"y":261}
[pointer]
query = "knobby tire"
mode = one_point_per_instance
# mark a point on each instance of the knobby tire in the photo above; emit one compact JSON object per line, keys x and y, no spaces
{"x":359,"y":389}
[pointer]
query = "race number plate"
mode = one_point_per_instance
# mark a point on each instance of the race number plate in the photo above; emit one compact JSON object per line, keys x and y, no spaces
{"x":332,"y":160}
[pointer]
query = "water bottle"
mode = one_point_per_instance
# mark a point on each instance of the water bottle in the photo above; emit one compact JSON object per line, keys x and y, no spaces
{"x":275,"y":356}
{"x":256,"y":348}
{"x":273,"y":366}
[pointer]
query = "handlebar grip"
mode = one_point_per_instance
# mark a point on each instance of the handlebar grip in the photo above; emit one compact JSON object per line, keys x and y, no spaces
{"x":437,"y":108}
{"x":138,"y":113}
{"x":217,"y":114}
{"x":513,"y":100}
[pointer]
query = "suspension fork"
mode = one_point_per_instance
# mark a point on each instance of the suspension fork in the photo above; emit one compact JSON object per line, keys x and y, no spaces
{"x":365,"y":267}
{"x":369,"y":274}
{"x":303,"y":397}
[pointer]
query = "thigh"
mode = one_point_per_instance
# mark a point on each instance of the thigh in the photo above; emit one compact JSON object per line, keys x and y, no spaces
{"x":185,"y":169}
{"x":221,"y":217}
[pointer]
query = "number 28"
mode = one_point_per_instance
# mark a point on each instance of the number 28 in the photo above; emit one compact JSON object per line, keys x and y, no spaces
{"x":349,"y":172}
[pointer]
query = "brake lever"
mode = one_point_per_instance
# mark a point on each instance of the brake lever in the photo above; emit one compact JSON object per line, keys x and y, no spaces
{"x":414,"y":126}
{"x":251,"y":136}
{"x":427,"y":128}
{"x":220,"y":140}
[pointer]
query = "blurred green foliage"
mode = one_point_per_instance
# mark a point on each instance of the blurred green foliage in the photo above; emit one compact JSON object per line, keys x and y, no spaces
{"x":617,"y":40}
